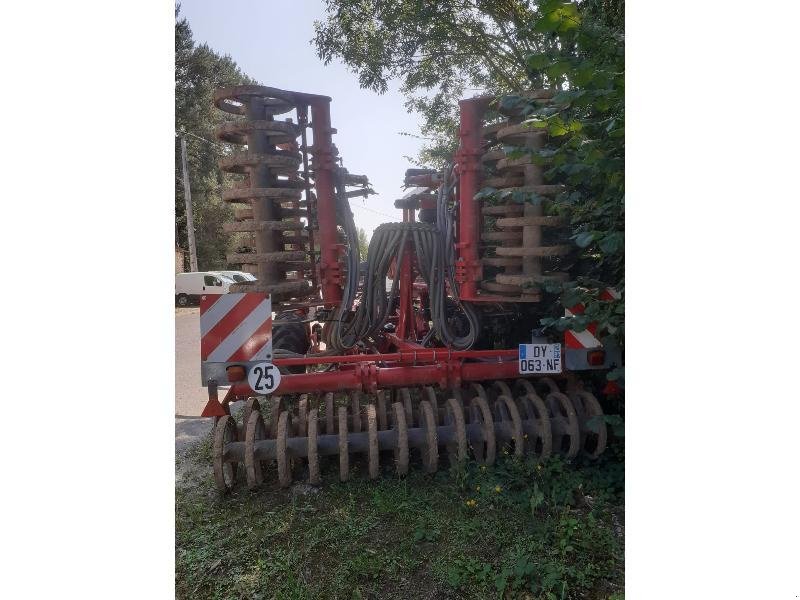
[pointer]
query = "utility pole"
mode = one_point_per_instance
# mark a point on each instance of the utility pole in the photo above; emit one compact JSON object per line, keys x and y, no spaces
{"x":187,"y":195}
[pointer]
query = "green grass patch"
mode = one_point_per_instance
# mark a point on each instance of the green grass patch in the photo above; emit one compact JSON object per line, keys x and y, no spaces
{"x":514,"y":530}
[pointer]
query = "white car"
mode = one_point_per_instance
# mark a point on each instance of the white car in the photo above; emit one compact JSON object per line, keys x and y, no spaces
{"x":238,"y":276}
{"x":190,"y":286}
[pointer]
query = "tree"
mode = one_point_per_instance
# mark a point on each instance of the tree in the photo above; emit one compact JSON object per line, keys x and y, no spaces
{"x":198,"y":72}
{"x":444,"y":50}
{"x":363,"y":244}
{"x":587,"y":123}
{"x":441,"y":49}
{"x":438,"y":49}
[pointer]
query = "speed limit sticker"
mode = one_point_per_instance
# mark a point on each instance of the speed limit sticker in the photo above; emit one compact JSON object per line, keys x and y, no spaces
{"x":264,"y":378}
{"x":539,"y":358}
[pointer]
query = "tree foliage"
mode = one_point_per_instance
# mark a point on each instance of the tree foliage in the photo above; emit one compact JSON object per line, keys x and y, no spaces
{"x":198,"y":72}
{"x":587,"y":122}
{"x":363,"y":243}
{"x":444,"y":50}
{"x":438,"y":49}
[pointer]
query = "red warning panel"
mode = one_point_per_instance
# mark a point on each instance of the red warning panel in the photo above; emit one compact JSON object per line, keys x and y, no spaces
{"x":235,"y":327}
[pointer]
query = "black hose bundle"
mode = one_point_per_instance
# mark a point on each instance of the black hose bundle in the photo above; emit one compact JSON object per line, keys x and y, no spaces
{"x":333,"y":336}
{"x":434,"y":246}
{"x":387,"y":244}
{"x":445,"y":268}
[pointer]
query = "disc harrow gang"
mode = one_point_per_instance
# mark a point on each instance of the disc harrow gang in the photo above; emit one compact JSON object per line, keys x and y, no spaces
{"x":513,"y":229}
{"x":405,"y":426}
{"x":272,"y":188}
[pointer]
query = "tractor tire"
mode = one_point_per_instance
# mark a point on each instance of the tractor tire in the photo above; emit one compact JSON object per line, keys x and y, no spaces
{"x":289,"y":333}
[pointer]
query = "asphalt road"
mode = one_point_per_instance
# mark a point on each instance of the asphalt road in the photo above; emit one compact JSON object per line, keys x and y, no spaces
{"x":190,"y":396}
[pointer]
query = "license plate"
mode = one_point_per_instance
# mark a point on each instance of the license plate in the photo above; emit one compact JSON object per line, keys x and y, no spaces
{"x":539,"y":358}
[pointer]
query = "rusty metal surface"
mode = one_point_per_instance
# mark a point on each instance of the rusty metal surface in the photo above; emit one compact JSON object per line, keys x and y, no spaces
{"x":418,"y":430}
{"x":512,"y":232}
{"x":272,"y":188}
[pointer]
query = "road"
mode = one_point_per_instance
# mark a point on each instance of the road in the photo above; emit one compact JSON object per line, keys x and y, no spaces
{"x":190,"y":396}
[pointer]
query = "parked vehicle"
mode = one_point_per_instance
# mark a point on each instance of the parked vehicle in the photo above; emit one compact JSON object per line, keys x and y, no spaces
{"x":239,"y":276}
{"x":190,"y":286}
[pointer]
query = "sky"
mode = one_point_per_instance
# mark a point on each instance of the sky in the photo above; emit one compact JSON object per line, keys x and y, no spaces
{"x":270,"y":40}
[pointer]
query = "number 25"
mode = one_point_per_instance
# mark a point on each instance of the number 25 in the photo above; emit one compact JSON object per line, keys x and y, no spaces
{"x":265,"y":375}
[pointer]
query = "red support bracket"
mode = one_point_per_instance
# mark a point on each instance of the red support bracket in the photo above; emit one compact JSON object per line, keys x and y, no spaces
{"x":213,"y":407}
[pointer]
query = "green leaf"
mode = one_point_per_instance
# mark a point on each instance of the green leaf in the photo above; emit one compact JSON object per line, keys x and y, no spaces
{"x":593,"y":424}
{"x":511,"y":102}
{"x":582,"y":75}
{"x":558,"y":69}
{"x":486,"y":192}
{"x":537,"y":498}
{"x":538,"y":61}
{"x":612,"y":243}
{"x":584,"y":239}
{"x":559,"y":17}
{"x":557,"y":128}
{"x":565,"y":97}
{"x":617,"y":133}
{"x":537,"y":124}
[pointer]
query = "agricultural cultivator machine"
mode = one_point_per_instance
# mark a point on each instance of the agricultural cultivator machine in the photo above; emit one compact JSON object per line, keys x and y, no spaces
{"x":427,"y":354}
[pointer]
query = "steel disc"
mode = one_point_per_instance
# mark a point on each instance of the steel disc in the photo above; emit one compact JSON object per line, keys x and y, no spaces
{"x":225,"y":472}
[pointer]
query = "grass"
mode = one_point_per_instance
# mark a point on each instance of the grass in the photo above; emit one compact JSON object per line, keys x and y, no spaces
{"x":513,"y":530}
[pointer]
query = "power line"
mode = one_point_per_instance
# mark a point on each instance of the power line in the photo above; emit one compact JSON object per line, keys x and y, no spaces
{"x":202,"y":139}
{"x":377,"y":212}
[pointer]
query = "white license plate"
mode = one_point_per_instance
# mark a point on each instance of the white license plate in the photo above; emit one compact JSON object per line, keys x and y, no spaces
{"x":539,"y":358}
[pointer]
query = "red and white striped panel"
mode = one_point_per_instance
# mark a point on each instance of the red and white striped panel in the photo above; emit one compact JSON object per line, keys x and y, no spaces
{"x":235,"y":327}
{"x":588,"y":337}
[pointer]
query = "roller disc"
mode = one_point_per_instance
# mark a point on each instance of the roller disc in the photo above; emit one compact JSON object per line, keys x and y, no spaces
{"x":429,"y":394}
{"x":506,"y":410}
{"x":372,"y":431}
{"x":534,"y":409}
{"x":226,"y":406}
{"x":430,"y":453}
{"x":586,"y":405}
{"x":255,"y":431}
{"x":355,"y":411}
{"x":552,"y":385}
{"x":250,"y":405}
{"x":479,"y":413}
{"x":479,"y":390}
{"x":282,"y":452}
{"x":329,"y":414}
{"x":500,"y":388}
{"x":302,"y":416}
{"x":277,"y":406}
{"x":457,"y":450}
{"x":224,"y":472}
{"x":383,"y":417}
{"x":401,"y":438}
{"x":564,"y":421}
{"x":457,"y":393}
{"x":405,"y":398}
{"x":523,"y":386}
{"x":313,"y":456}
{"x":344,"y":457}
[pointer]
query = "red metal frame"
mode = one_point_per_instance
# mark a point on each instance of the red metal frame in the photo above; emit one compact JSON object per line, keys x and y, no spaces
{"x":468,"y":267}
{"x":368,"y":377}
{"x":406,"y":362}
{"x":330,"y":274}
